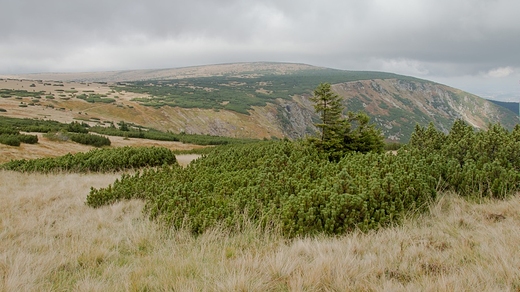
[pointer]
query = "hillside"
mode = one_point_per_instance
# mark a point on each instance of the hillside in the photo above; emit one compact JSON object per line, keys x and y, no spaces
{"x":254,"y":100}
{"x":512,"y":106}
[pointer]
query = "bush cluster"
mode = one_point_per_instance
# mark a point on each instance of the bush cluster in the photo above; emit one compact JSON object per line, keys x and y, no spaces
{"x":291,"y":185}
{"x":11,"y":137}
{"x":89,"y":139}
{"x":153,"y":134}
{"x":294,"y":186}
{"x":472,"y":163}
{"x":82,"y":138}
{"x":30,"y":125}
{"x":97,"y":160}
{"x":10,"y":140}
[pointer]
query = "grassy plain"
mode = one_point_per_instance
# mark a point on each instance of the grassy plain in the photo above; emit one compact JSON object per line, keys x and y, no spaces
{"x":51,"y":241}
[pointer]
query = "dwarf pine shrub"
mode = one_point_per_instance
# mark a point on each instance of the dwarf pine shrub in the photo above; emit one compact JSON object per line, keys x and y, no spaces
{"x":289,"y":184}
{"x":97,"y":160}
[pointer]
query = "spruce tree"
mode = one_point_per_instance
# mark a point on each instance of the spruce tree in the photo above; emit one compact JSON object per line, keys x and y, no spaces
{"x":339,"y":135}
{"x":328,"y":105}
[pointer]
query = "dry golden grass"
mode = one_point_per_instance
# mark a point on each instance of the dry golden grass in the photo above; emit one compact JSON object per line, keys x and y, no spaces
{"x":260,"y":124}
{"x":51,"y":241}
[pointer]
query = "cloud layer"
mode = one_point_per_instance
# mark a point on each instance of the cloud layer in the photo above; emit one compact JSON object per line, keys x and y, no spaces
{"x":451,"y":41}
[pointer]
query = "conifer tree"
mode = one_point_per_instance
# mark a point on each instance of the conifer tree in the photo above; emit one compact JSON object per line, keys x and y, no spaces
{"x":339,"y":135}
{"x":328,"y":105}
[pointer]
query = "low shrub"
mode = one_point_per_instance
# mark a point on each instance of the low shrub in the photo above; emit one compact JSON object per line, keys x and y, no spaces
{"x":296,"y":188}
{"x":89,"y":139}
{"x":28,"y":139}
{"x":97,"y":160}
{"x":291,"y":185}
{"x":10,"y":140}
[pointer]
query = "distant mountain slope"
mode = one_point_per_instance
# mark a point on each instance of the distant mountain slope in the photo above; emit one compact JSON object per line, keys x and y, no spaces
{"x":512,"y":106}
{"x":396,"y":105}
{"x":266,"y":100}
{"x":170,"y":73}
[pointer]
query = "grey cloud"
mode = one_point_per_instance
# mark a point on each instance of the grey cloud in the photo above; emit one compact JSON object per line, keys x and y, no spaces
{"x":446,"y":38}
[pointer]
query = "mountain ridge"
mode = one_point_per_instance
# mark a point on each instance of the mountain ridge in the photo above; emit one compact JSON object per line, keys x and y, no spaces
{"x":260,"y":100}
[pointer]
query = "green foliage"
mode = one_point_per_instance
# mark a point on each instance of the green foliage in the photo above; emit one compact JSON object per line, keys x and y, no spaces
{"x":327,"y":105}
{"x":472,"y":163}
{"x":283,"y":183}
{"x":393,"y":146}
{"x":339,"y":135}
{"x":12,"y":137}
{"x":28,"y":139}
{"x":30,"y":125}
{"x":4,"y":92}
{"x":359,"y":135}
{"x":92,"y":98}
{"x":10,"y":140}
{"x":8,"y":131}
{"x":295,"y":187}
{"x":123,"y":126}
{"x":89,"y":139}
{"x":97,"y":160}
{"x":153,"y":134}
{"x":428,"y":139}
{"x":76,"y":127}
{"x":82,"y":138}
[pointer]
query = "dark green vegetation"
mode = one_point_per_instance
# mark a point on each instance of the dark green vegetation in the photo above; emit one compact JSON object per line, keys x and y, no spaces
{"x":81,"y":138}
{"x":471,"y":163}
{"x":92,"y":98}
{"x":339,"y":135}
{"x":74,"y":131}
{"x":240,"y":93}
{"x":7,"y":93}
{"x":13,"y":137}
{"x":130,"y":131}
{"x":133,"y":131}
{"x":88,"y":97}
{"x":31,"y":125}
{"x":97,"y":160}
{"x":295,"y":187}
{"x":287,"y":184}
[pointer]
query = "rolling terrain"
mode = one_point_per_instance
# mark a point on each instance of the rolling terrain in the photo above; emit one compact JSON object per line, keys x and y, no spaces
{"x":250,"y":100}
{"x":51,"y":240}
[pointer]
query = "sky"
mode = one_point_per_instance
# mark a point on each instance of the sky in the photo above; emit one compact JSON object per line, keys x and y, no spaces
{"x":473,"y":45}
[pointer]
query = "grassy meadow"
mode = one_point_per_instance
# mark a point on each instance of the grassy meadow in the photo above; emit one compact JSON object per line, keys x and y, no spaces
{"x":463,"y":234}
{"x":51,"y":241}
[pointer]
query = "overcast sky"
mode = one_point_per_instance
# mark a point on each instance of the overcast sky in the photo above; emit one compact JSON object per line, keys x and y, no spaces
{"x":470,"y":44}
